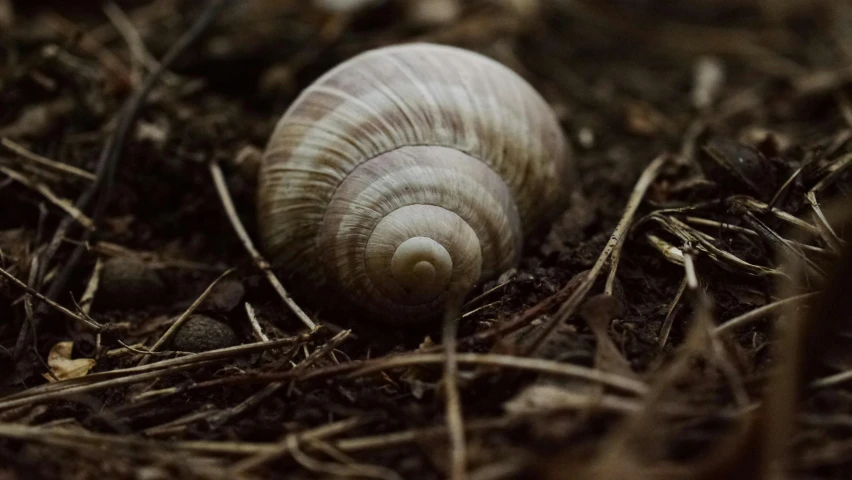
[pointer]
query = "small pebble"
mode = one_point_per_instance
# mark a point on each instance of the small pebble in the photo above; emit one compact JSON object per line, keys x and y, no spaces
{"x":586,"y":137}
{"x":738,"y":168}
{"x":200,"y":334}
{"x":226,"y":295}
{"x":128,"y":283}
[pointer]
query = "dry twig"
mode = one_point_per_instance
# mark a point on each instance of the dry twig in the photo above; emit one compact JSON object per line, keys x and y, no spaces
{"x":88,"y":323}
{"x":757,"y":313}
{"x":453,"y":409}
{"x":570,"y":305}
{"x":51,"y":197}
{"x":259,"y":261}
{"x":44,"y":161}
{"x":183,"y":318}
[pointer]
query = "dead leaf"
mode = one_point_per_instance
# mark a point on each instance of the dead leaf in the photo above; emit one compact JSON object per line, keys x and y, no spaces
{"x":63,"y":366}
{"x":599,"y":312}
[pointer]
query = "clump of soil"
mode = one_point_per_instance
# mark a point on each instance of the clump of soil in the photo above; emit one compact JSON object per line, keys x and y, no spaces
{"x":129,"y":283}
{"x":200,"y":333}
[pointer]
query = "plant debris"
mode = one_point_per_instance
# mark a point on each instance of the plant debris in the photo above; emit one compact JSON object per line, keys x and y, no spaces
{"x":688,"y":317}
{"x":62,"y":366}
{"x":201,"y":333}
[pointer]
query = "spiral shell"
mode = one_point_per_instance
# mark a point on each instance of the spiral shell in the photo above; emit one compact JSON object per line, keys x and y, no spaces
{"x":408,"y":172}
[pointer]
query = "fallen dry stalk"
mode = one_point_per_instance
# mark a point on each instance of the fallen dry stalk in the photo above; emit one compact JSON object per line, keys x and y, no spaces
{"x":826,"y":232}
{"x":508,"y":361}
{"x":453,"y":409}
{"x":570,"y":306}
{"x":108,"y":161}
{"x":78,"y":390}
{"x":757,"y":313}
{"x":45,"y":162}
{"x":69,"y":438}
{"x":666,"y":329}
{"x":97,"y":379}
{"x":245,"y":239}
{"x":282,"y":448}
{"x":88,"y":323}
{"x":61,"y":203}
{"x":183,"y":318}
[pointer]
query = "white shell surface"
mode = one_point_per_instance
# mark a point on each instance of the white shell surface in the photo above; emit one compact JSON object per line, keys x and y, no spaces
{"x":401,"y":96}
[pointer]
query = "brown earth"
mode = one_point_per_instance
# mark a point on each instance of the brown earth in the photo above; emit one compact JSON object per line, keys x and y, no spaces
{"x":747,"y":104}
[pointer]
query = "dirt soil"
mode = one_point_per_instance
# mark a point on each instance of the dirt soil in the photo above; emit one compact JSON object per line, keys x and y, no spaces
{"x":699,"y":129}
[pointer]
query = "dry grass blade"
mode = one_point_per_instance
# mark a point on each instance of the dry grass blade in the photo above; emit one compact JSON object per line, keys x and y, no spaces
{"x":255,"y":325}
{"x":124,"y":26}
{"x":825,"y":230}
{"x":82,"y":320}
{"x":455,"y":417}
{"x":570,"y":306}
{"x":702,"y":243}
{"x":507,"y":361}
{"x":259,"y":261}
{"x":720,"y":225}
{"x":78,"y":438}
{"x":45,"y":162}
{"x":73,"y":391}
{"x":155,"y":259}
{"x":218,"y":420}
{"x":189,"y":360}
{"x":110,"y":154}
{"x":760,"y":207}
{"x":786,"y":186}
{"x":478,"y":298}
{"x":832,"y":380}
{"x":814,"y":83}
{"x":182,"y":318}
{"x":669,"y":251}
{"x":51,"y":197}
{"x":666,"y":329}
{"x":750,"y":233}
{"x":749,"y":317}
{"x":834,"y":171}
{"x":282,"y":448}
{"x":773,"y":238}
{"x":323,"y":350}
{"x":613,"y":269}
{"x":91,"y":288}
{"x":338,"y":470}
{"x":803,"y":339}
{"x":620,"y":457}
{"x":639,"y":379}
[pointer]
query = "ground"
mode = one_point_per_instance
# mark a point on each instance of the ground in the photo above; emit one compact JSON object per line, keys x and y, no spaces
{"x":718,"y":348}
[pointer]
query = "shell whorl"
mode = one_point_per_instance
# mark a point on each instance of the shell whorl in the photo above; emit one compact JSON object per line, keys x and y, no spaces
{"x":407,"y":171}
{"x":435,"y":193}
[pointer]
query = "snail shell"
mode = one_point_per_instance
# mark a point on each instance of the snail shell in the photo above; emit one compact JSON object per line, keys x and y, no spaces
{"x":408,"y":172}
